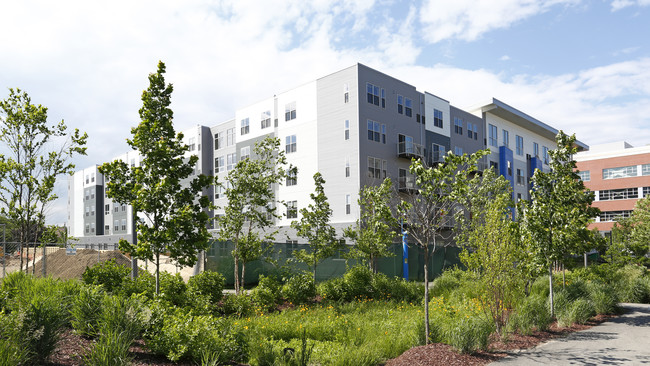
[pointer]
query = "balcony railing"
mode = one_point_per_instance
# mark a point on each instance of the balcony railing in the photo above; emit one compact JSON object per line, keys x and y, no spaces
{"x":408,"y":150}
{"x":406,"y":184}
{"x":437,"y":157}
{"x":482,"y":164}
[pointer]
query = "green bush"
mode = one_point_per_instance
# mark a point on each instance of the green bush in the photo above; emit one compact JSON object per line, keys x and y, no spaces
{"x":121,"y":316}
{"x":358,"y":283}
{"x":332,"y":289}
{"x":603,"y":298}
{"x":469,"y":334}
{"x":111,"y":349}
{"x":577,"y":312}
{"x":86,"y":311}
{"x":396,"y":289}
{"x":209,"y":284}
{"x":108,"y":274}
{"x":267,"y":293}
{"x":446,"y":283}
{"x":532,"y":313}
{"x":299,"y":288}
{"x":172,"y":287}
{"x":238,"y":305}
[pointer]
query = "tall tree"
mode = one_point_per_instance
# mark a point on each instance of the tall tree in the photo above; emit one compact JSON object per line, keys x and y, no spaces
{"x":630,"y":240}
{"x":429,"y":208}
{"x":375,"y":229}
{"x":559,"y":211}
{"x":29,"y":167}
{"x":166,"y":200}
{"x":314,"y":225}
{"x":251,"y":209}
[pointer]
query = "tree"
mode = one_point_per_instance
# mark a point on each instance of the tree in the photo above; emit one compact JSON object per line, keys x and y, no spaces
{"x":493,"y":249}
{"x":429,"y":208}
{"x":375,"y":229}
{"x":314,"y":225}
{"x":251,"y":211}
{"x":30,"y":167}
{"x":161,"y":189}
{"x":630,"y":237}
{"x":559,"y":210}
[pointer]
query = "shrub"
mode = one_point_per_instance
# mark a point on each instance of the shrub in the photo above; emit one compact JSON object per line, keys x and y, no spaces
{"x":108,"y":274}
{"x":469,"y":334}
{"x":209,"y":284}
{"x":577,"y":312}
{"x":333,"y":289}
{"x":111,"y":349}
{"x":120,"y":316}
{"x":238,"y":305}
{"x":396,"y":289}
{"x":358,"y":283}
{"x":299,"y":288}
{"x":267,"y":293}
{"x":603,"y":298}
{"x":532,"y":313}
{"x":172,"y":287}
{"x":446,"y":283}
{"x":86,"y":311}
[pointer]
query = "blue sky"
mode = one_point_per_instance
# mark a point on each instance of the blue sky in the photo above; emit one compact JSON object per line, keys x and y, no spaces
{"x":578,"y":65}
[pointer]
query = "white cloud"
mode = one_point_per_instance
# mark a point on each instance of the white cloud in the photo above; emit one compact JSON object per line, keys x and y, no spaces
{"x":620,"y":4}
{"x":469,"y":19}
{"x":505,"y":58}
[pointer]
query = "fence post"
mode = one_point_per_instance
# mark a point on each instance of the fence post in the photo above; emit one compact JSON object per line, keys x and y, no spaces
{"x":44,"y":260}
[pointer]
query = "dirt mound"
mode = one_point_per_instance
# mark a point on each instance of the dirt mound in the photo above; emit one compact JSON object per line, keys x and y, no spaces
{"x":62,"y":266}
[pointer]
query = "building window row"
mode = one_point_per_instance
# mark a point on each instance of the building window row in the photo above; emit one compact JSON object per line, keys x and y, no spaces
{"x":404,"y":106}
{"x":614,"y":215}
{"x":492,"y":136}
{"x":437,"y":118}
{"x":292,"y":178}
{"x":346,"y":129}
{"x":231,"y":160}
{"x":377,"y":168}
{"x":245,"y":126}
{"x":292,"y":209}
{"x":521,"y":179}
{"x":620,"y":172}
{"x":506,"y":138}
{"x":519,"y":141}
{"x":547,"y":158}
{"x":585,"y":176}
{"x":290,"y":111}
{"x":265,"y":119}
{"x":245,"y":152}
{"x":618,"y":194}
{"x":291,"y":144}
{"x":376,"y":95}
{"x":376,"y":131}
{"x":458,"y":125}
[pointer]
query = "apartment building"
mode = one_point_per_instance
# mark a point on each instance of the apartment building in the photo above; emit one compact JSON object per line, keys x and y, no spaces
{"x":619,"y":175}
{"x":356,"y":127}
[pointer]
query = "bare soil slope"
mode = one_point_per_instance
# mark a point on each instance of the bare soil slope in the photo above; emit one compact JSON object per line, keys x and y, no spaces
{"x":65,"y":267}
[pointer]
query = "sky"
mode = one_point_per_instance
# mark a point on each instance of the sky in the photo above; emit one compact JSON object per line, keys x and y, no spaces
{"x":582,"y":66}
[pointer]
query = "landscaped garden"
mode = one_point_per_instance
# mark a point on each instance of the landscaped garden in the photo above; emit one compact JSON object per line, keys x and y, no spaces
{"x":360,"y":319}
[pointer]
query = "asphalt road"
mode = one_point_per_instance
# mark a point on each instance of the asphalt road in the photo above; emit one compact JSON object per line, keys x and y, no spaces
{"x":624,"y":340}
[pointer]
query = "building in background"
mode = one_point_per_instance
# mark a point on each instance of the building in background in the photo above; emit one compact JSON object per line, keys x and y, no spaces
{"x":619,"y":175}
{"x":356,"y":127}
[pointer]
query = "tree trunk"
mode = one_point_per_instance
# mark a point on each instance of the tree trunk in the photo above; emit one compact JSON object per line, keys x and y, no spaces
{"x":563,"y":277}
{"x":550,"y":284}
{"x":236,"y":258}
{"x":157,"y":273}
{"x":585,"y":256}
{"x":426,"y":295}
{"x":242,"y":284}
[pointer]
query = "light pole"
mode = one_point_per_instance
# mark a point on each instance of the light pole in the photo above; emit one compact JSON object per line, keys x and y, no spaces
{"x":405,"y":251}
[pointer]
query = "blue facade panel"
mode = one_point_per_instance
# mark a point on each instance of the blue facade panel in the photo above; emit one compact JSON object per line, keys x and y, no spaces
{"x":506,"y":164}
{"x":535,"y":163}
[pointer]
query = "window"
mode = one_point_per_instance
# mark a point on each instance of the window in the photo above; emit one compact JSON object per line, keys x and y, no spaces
{"x":346,"y":93}
{"x":292,"y":209}
{"x":116,"y":207}
{"x":437,"y":118}
{"x":290,"y":144}
{"x":437,"y":152}
{"x":219,"y":164}
{"x":495,"y":165}
{"x":107,"y":209}
{"x":266,"y":119}
{"x":87,"y":211}
{"x":458,"y":125}
{"x":506,"y":138}
{"x":408,"y":107}
{"x":347,"y":167}
{"x":192,"y":143}
{"x":545,"y":154}
{"x":475,"y":132}
{"x":645,"y":169}
{"x":585,"y":176}
{"x":290,"y":111}
{"x":124,"y":207}
{"x":219,"y":192}
{"x":123,"y":224}
{"x":245,"y":152}
{"x":520,"y":178}
{"x":92,"y":227}
{"x":116,"y":225}
{"x":618,"y":194}
{"x":92,"y":177}
{"x":292,"y":178}
{"x":520,"y":145}
{"x":230,"y":137}
{"x":535,"y":149}
{"x":620,"y":172}
{"x":469,"y":129}
{"x":92,"y":211}
{"x":348,"y":200}
{"x":646,"y":191}
{"x":493,"y":136}
{"x":132,"y":163}
{"x":376,"y":131}
{"x":107,"y":229}
{"x":245,"y":126}
{"x":614,"y":215}
{"x":218,"y":141}
{"x":458,"y":150}
{"x":87,"y":194}
{"x":346,"y":129}
{"x":87,"y":179}
{"x":92,"y":194}
{"x":87,"y":228}
{"x":375,"y":94}
{"x":377,"y":168}
{"x":231,"y":160}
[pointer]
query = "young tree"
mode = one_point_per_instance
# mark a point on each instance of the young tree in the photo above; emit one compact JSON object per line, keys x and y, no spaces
{"x":251,"y":210}
{"x":161,"y":188}
{"x":429,"y":209}
{"x":375,"y":229}
{"x":30,"y":167}
{"x":314,"y":225}
{"x":630,"y":240}
{"x":559,"y":210}
{"x":494,"y":249}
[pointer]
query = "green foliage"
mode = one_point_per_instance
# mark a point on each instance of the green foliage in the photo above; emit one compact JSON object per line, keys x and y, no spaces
{"x":461,"y":324}
{"x":176,"y":221}
{"x":578,"y":311}
{"x":208,"y":284}
{"x":631,"y":237}
{"x":314,"y":226}
{"x":359,"y":283}
{"x":603,"y":298}
{"x":532,"y":313}
{"x":239,"y":305}
{"x":251,"y":211}
{"x":172,"y":287}
{"x":108,"y":274}
{"x":30,"y":163}
{"x":111,"y":349}
{"x":86,"y":311}
{"x":299,"y":288}
{"x":374,"y":230}
{"x":267,"y":293}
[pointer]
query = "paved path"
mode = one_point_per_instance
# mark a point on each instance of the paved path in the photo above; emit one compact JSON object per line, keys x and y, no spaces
{"x":624,"y":340}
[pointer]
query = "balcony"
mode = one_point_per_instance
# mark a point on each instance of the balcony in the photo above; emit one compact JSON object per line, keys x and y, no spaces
{"x":482,"y":164}
{"x":409,"y":150}
{"x":437,"y":157}
{"x":406,"y":184}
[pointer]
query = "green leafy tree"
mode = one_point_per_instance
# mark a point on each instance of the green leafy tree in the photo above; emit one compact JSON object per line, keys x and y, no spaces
{"x":559,"y":210}
{"x":251,"y":213}
{"x":630,"y":240}
{"x":35,"y":153}
{"x":429,"y":209}
{"x":375,"y":229}
{"x":314,"y":226}
{"x":492,"y":246}
{"x":161,"y":190}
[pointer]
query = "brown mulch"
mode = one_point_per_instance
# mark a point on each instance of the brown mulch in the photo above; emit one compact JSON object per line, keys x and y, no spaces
{"x":444,"y":355}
